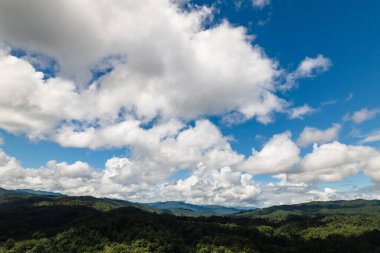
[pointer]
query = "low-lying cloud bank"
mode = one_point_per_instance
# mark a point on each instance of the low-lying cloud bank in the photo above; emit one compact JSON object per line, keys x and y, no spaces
{"x":217,"y":173}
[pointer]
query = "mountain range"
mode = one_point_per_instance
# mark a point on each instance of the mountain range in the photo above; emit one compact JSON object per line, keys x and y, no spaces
{"x":39,"y":222}
{"x":178,"y":208}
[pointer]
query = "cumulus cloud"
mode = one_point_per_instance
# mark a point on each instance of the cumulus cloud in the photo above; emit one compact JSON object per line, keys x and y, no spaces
{"x":300,"y":112}
{"x":329,"y":162}
{"x":157,"y":153}
{"x":28,"y":103}
{"x":183,"y":70}
{"x":312,"y":135}
{"x":122,"y":80}
{"x":308,"y":68}
{"x":128,"y":178}
{"x":73,"y":179}
{"x":275,"y":194}
{"x":287,"y":192}
{"x":362,"y":115}
{"x":373,"y":167}
{"x":279,"y":154}
{"x":332,"y":162}
{"x":122,"y":178}
{"x":324,"y":195}
{"x":309,"y":65}
{"x":171,"y":68}
{"x":214,"y":186}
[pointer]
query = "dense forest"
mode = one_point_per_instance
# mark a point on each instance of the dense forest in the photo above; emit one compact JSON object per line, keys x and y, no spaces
{"x":58,"y":223}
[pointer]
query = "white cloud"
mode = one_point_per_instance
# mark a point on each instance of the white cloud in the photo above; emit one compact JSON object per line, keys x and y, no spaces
{"x":363,"y":115}
{"x":286,"y":192}
{"x":74,"y":179}
{"x":165,"y":72}
{"x":75,"y":170}
{"x":372,"y":137}
{"x":328,"y":162}
{"x":162,"y":149}
{"x":260,"y":3}
{"x":129,"y":178}
{"x":309,"y":67}
{"x":312,"y":135}
{"x":373,"y":167}
{"x":332,"y":162}
{"x":122,"y":178}
{"x":183,"y":70}
{"x":324,"y":195}
{"x":279,"y":154}
{"x":277,"y":195}
{"x":222,"y":186}
{"x":31,"y":105}
{"x":300,"y":112}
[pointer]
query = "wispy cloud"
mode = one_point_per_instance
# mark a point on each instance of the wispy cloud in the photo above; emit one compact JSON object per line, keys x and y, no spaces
{"x":260,"y":3}
{"x":349,"y":97}
{"x":372,"y":137}
{"x":362,"y":115}
{"x":308,"y":68}
{"x":301,"y":112}
{"x":328,"y":102}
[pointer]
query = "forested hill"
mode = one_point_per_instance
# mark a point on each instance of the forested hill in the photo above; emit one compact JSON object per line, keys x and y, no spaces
{"x":104,"y":204}
{"x":14,"y":198}
{"x":186,"y":209}
{"x":27,"y":192}
{"x":50,"y":223}
{"x":317,"y":208}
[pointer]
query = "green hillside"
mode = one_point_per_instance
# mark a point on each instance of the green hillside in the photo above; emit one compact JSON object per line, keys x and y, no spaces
{"x":316,"y":208}
{"x":14,"y":198}
{"x":43,"y":223}
{"x":185,"y":209}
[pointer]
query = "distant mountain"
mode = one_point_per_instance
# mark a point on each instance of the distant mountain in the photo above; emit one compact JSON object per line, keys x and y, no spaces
{"x":37,"y":192}
{"x":178,"y":208}
{"x":186,"y":209}
{"x":316,"y":208}
{"x":4,"y":191}
{"x":28,"y":192}
{"x":14,"y":198}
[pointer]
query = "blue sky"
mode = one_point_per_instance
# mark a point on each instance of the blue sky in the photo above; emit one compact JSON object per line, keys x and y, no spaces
{"x":198,"y":91}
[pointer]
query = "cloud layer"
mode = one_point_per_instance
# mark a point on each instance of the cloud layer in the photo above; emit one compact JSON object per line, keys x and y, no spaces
{"x":312,"y":135}
{"x":216,"y":174}
{"x":172,"y":68}
{"x":102,"y":75}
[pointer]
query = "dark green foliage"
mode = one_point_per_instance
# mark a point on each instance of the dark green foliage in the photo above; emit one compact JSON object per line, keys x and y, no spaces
{"x":86,"y":224}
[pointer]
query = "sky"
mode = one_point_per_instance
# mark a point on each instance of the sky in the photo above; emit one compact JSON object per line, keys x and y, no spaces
{"x":236,"y":103}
